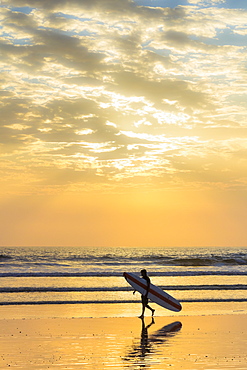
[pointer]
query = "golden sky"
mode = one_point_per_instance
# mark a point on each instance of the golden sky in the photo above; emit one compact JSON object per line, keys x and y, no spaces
{"x":123,"y":123}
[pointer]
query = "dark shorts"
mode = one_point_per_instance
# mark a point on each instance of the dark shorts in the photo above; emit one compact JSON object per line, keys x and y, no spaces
{"x":144,"y":300}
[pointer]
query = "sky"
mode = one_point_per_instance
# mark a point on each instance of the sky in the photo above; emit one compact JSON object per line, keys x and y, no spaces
{"x":123,"y":123}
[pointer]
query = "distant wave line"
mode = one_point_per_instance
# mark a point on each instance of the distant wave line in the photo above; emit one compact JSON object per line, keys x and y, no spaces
{"x":229,"y":259}
{"x":118,"y":289}
{"x":119,"y":274}
{"x":18,"y":303}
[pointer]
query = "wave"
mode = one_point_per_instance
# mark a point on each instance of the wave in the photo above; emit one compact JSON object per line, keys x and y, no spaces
{"x":4,"y":257}
{"x":119,"y":289}
{"x":118,"y":274}
{"x":211,"y":260}
{"x":18,"y":303}
{"x":125,"y":256}
{"x":160,"y":259}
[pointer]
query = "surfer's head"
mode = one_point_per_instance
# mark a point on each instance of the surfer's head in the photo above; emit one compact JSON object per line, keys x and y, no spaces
{"x":144,"y":272}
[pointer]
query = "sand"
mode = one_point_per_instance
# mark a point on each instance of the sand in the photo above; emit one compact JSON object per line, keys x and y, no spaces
{"x":187,"y":342}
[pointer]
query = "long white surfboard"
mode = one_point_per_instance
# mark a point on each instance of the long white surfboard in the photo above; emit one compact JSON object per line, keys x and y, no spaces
{"x":155,"y":293}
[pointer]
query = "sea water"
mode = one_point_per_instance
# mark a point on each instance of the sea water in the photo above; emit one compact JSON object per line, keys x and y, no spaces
{"x":73,"y":275}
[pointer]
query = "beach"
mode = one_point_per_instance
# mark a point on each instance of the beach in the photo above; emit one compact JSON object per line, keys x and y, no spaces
{"x":42,"y":337}
{"x":71,"y":308}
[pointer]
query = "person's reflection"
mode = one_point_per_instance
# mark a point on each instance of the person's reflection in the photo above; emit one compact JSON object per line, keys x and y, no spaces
{"x":148,"y":345}
{"x":141,"y":348}
{"x":145,"y":345}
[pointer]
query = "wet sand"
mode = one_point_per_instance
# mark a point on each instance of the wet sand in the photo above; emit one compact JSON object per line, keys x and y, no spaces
{"x":179,"y":342}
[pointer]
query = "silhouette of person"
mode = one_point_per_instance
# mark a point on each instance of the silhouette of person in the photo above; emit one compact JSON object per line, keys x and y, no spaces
{"x":145,"y":345}
{"x":142,"y":348}
{"x":145,"y":296}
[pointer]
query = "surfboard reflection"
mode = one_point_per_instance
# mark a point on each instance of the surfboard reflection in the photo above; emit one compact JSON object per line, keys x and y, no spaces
{"x":148,"y":345}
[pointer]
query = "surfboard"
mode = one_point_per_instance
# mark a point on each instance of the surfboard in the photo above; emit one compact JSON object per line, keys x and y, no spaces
{"x":155,"y":293}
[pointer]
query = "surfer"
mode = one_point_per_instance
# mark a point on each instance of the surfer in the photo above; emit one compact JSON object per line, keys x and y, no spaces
{"x":145,"y":297}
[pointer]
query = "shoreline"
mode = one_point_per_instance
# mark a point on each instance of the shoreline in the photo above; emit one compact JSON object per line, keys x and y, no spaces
{"x":216,"y":341}
{"x":118,"y":310}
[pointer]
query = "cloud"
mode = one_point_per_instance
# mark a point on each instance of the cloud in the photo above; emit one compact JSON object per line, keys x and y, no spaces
{"x":206,"y":2}
{"x":156,"y":91}
{"x":108,"y":91}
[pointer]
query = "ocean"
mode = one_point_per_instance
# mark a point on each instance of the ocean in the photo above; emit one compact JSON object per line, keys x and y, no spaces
{"x":73,"y":275}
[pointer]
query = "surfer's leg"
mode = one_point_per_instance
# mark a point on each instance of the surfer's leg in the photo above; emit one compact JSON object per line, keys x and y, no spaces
{"x":151,"y":309}
{"x":144,"y":305}
{"x":143,"y":310}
